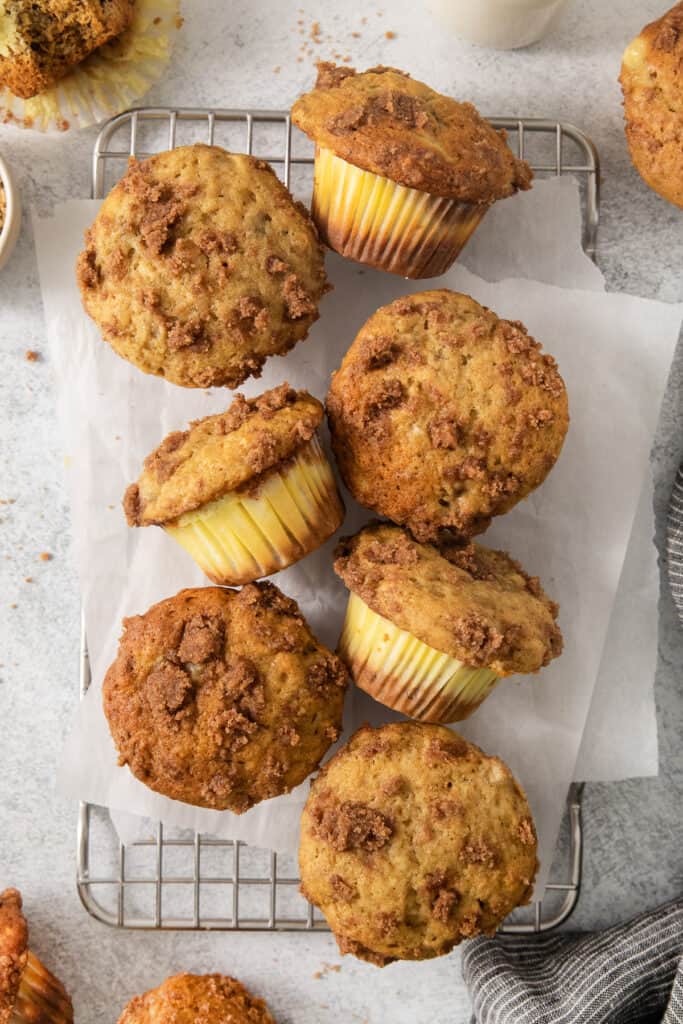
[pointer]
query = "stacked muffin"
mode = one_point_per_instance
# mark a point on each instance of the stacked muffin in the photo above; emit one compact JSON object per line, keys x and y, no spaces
{"x":199,"y":267}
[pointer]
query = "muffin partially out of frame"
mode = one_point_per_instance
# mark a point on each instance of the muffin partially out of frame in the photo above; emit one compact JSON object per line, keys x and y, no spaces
{"x":29,"y":993}
{"x":247,"y":492}
{"x":403,"y":175}
{"x":430,"y":630}
{"x":197,"y":999}
{"x":222,"y":698}
{"x":200,"y":265}
{"x":442,"y":415}
{"x":412,"y":840}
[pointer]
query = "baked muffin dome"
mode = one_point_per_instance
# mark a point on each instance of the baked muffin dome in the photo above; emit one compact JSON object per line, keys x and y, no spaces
{"x":195,"y":999}
{"x":442,"y":415}
{"x":652,"y":82}
{"x":413,"y":839}
{"x":200,"y":265}
{"x":222,"y":698}
{"x":28,"y":991}
{"x":388,"y":123}
{"x":474,"y":605}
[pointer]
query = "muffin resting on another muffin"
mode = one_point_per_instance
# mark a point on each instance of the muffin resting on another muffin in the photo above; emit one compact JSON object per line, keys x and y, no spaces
{"x":246,"y":492}
{"x":200,"y":265}
{"x":41,"y":42}
{"x":29,"y":993}
{"x":197,"y":999}
{"x":443,"y":416}
{"x":222,"y":698}
{"x":429,"y":631}
{"x":652,"y":82}
{"x":403,"y":175}
{"x":412,"y":840}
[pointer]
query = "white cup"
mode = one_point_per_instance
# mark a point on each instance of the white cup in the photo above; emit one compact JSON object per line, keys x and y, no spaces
{"x":12,"y":223}
{"x":501,"y":24}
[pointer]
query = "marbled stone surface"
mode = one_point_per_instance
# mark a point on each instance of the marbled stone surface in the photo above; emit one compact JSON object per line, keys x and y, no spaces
{"x":226,"y":55}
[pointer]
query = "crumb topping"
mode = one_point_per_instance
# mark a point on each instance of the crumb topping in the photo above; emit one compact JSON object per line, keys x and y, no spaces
{"x":201,"y":999}
{"x":13,"y":949}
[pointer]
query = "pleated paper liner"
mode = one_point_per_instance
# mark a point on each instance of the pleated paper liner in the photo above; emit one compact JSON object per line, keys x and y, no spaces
{"x":244,"y":536}
{"x":404,"y":673}
{"x":110,"y":80}
{"x":41,"y":998}
{"x":373,"y":220}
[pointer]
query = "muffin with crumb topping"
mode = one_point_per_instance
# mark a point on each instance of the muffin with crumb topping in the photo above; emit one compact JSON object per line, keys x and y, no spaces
{"x":200,"y":265}
{"x":429,"y":631}
{"x":183,"y":997}
{"x":403,"y":174}
{"x":221,"y":698}
{"x":246,"y":492}
{"x":29,"y":993}
{"x":412,"y":840}
{"x":442,"y":415}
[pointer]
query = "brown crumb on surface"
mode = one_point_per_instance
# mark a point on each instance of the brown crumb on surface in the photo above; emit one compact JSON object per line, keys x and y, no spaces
{"x":389,"y":35}
{"x":45,"y":556}
{"x":157,"y":21}
{"x":327,"y":969}
{"x":276,"y":70}
{"x":32,"y":356}
{"x":14,"y":604}
{"x":179,"y":22}
{"x":28,"y":579}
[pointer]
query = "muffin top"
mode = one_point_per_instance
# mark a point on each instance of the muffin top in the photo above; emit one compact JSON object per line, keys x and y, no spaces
{"x":200,"y":265}
{"x":386,"y":122}
{"x":413,"y":839}
{"x":13,"y":950}
{"x":442,"y":415}
{"x":471,"y":602}
{"x":221,"y":453}
{"x":197,"y":999}
{"x":652,"y":81}
{"x":222,"y":698}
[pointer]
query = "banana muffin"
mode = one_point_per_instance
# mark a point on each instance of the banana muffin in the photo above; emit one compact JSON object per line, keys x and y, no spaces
{"x":28,"y":991}
{"x":403,"y":175}
{"x":246,"y":492}
{"x":430,"y":630}
{"x":412,"y":840}
{"x":197,"y":999}
{"x":41,"y":42}
{"x":200,"y":265}
{"x":443,"y":416}
{"x":222,"y":698}
{"x":652,"y":82}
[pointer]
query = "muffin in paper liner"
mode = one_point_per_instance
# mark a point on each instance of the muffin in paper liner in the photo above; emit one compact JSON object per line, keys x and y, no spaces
{"x":29,"y":992}
{"x":371,"y":219}
{"x":247,"y":534}
{"x":112,"y":79}
{"x":404,"y":673}
{"x":246,"y":492}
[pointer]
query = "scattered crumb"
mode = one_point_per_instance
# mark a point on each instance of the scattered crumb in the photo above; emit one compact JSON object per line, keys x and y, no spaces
{"x":13,"y":605}
{"x":45,"y":556}
{"x":111,"y":506}
{"x":179,"y":22}
{"x":32,"y":356}
{"x":157,"y":21}
{"x":346,"y":60}
{"x":276,"y":70}
{"x":117,"y":437}
{"x":7,"y":501}
{"x":315,"y":32}
{"x":28,"y":579}
{"x":299,"y":60}
{"x":327,"y":969}
{"x":389,"y":35}
{"x":356,"y":35}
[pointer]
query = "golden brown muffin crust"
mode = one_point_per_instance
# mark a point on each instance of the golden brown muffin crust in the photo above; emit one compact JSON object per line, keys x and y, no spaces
{"x":413,"y":839}
{"x":221,"y":453}
{"x":222,"y":698}
{"x":442,"y":415}
{"x":652,"y":81}
{"x":13,"y":950}
{"x":197,"y":999}
{"x":42,"y":42}
{"x":386,"y":122}
{"x":200,"y":265}
{"x":476,"y":604}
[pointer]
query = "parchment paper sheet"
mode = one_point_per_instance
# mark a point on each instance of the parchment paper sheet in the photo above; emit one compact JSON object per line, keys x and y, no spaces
{"x":613,"y":351}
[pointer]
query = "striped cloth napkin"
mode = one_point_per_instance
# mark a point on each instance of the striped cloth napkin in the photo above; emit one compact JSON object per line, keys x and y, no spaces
{"x":675,"y":542}
{"x":632,"y":974}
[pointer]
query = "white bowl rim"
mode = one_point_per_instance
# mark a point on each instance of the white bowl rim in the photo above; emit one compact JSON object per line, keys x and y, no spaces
{"x":12,"y":207}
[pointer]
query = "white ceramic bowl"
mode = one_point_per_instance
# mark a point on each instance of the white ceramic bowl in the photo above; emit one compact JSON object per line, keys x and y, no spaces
{"x":500,"y":24}
{"x":10,"y":228}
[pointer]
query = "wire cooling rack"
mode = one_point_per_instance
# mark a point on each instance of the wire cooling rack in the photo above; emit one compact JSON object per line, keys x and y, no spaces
{"x":174,"y":879}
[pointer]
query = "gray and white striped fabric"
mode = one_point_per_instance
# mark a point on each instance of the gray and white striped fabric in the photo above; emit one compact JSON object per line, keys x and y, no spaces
{"x":674,"y":542}
{"x":632,"y":974}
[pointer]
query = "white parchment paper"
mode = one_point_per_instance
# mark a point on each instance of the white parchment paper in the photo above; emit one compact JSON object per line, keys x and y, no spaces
{"x":614,"y":352}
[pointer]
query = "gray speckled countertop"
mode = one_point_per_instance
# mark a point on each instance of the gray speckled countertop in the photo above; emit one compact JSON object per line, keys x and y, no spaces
{"x":226,"y":55}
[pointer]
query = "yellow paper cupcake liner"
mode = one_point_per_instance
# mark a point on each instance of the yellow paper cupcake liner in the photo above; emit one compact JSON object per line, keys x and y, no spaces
{"x":244,"y":536}
{"x":373,"y":220}
{"x":41,"y":998}
{"x":113,"y":78}
{"x":404,"y":673}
